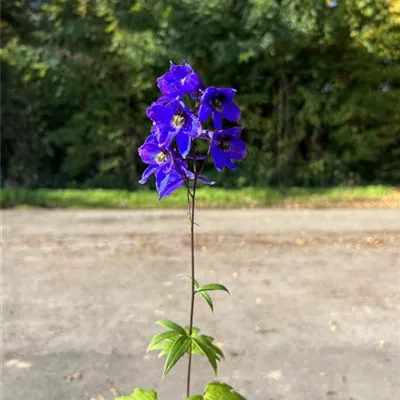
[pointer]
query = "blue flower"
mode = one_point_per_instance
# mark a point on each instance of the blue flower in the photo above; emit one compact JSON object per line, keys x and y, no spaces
{"x":180,"y":80}
{"x":174,"y":120}
{"x":218,"y":102}
{"x":168,"y":167}
{"x":226,"y":146}
{"x":176,"y":125}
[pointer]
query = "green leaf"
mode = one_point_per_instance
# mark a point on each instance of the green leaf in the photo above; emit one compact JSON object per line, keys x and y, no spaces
{"x":209,"y":340}
{"x":157,"y":341}
{"x":208,"y":299}
{"x":218,"y":351}
{"x":165,"y":341}
{"x":221,"y":391}
{"x":139,"y":394}
{"x":177,"y":351}
{"x":166,"y":323}
{"x":166,"y":347}
{"x":212,"y":286}
{"x":195,"y":331}
{"x":207,"y":349}
{"x":218,"y":391}
{"x":196,"y":283}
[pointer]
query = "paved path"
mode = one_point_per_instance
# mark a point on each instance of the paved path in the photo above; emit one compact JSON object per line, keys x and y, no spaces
{"x":314,"y":312}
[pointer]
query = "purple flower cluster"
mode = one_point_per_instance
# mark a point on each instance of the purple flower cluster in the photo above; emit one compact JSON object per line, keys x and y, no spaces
{"x":178,"y":117}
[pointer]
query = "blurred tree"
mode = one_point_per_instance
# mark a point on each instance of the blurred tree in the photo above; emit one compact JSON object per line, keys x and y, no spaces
{"x":318,"y":82}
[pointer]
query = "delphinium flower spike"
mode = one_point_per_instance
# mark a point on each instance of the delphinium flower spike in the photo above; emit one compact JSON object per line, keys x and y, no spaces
{"x":176,"y":151}
{"x":178,"y":123}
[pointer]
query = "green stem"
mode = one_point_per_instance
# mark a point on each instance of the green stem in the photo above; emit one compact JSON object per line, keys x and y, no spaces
{"x":192,"y":210}
{"x":192,"y":206}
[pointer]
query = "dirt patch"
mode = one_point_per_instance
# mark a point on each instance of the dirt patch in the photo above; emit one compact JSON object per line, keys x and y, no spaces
{"x":313,"y":311}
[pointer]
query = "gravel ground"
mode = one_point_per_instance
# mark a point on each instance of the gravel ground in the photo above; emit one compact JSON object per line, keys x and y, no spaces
{"x":314,"y":309}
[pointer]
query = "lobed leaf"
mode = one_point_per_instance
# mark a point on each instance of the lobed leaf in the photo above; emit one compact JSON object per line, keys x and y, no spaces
{"x":218,"y":391}
{"x":157,"y":341}
{"x":176,"y":352}
{"x":207,"y":349}
{"x":221,"y":391}
{"x":218,"y":351}
{"x":208,"y":299}
{"x":166,"y":346}
{"x":212,"y":286}
{"x":166,"y":323}
{"x":209,"y":340}
{"x":139,"y":394}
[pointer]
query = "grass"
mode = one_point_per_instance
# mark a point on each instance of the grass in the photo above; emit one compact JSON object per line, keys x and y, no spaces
{"x":339,"y":197}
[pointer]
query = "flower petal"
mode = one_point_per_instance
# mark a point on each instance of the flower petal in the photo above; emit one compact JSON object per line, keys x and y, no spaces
{"x":160,"y":114}
{"x":230,"y":111}
{"x":183,"y":142}
{"x":193,"y":126}
{"x":230,"y":165}
{"x":167,"y":84}
{"x":152,"y":138}
{"x":191,"y":83}
{"x":166,"y":135}
{"x":209,"y":94}
{"x":148,"y":172}
{"x":228,"y":93}
{"x":162,"y":101}
{"x":204,"y":112}
{"x":182,"y":168}
{"x":180,"y":80}
{"x":238,"y":149}
{"x":180,"y":71}
{"x":148,"y":153}
{"x":217,"y":120}
{"x":175,"y":105}
{"x":234,"y":132}
{"x":220,"y":158}
{"x":167,"y":183}
{"x":205,"y":180}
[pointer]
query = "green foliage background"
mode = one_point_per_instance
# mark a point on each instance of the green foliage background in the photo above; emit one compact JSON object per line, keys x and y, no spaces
{"x":318,"y":82}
